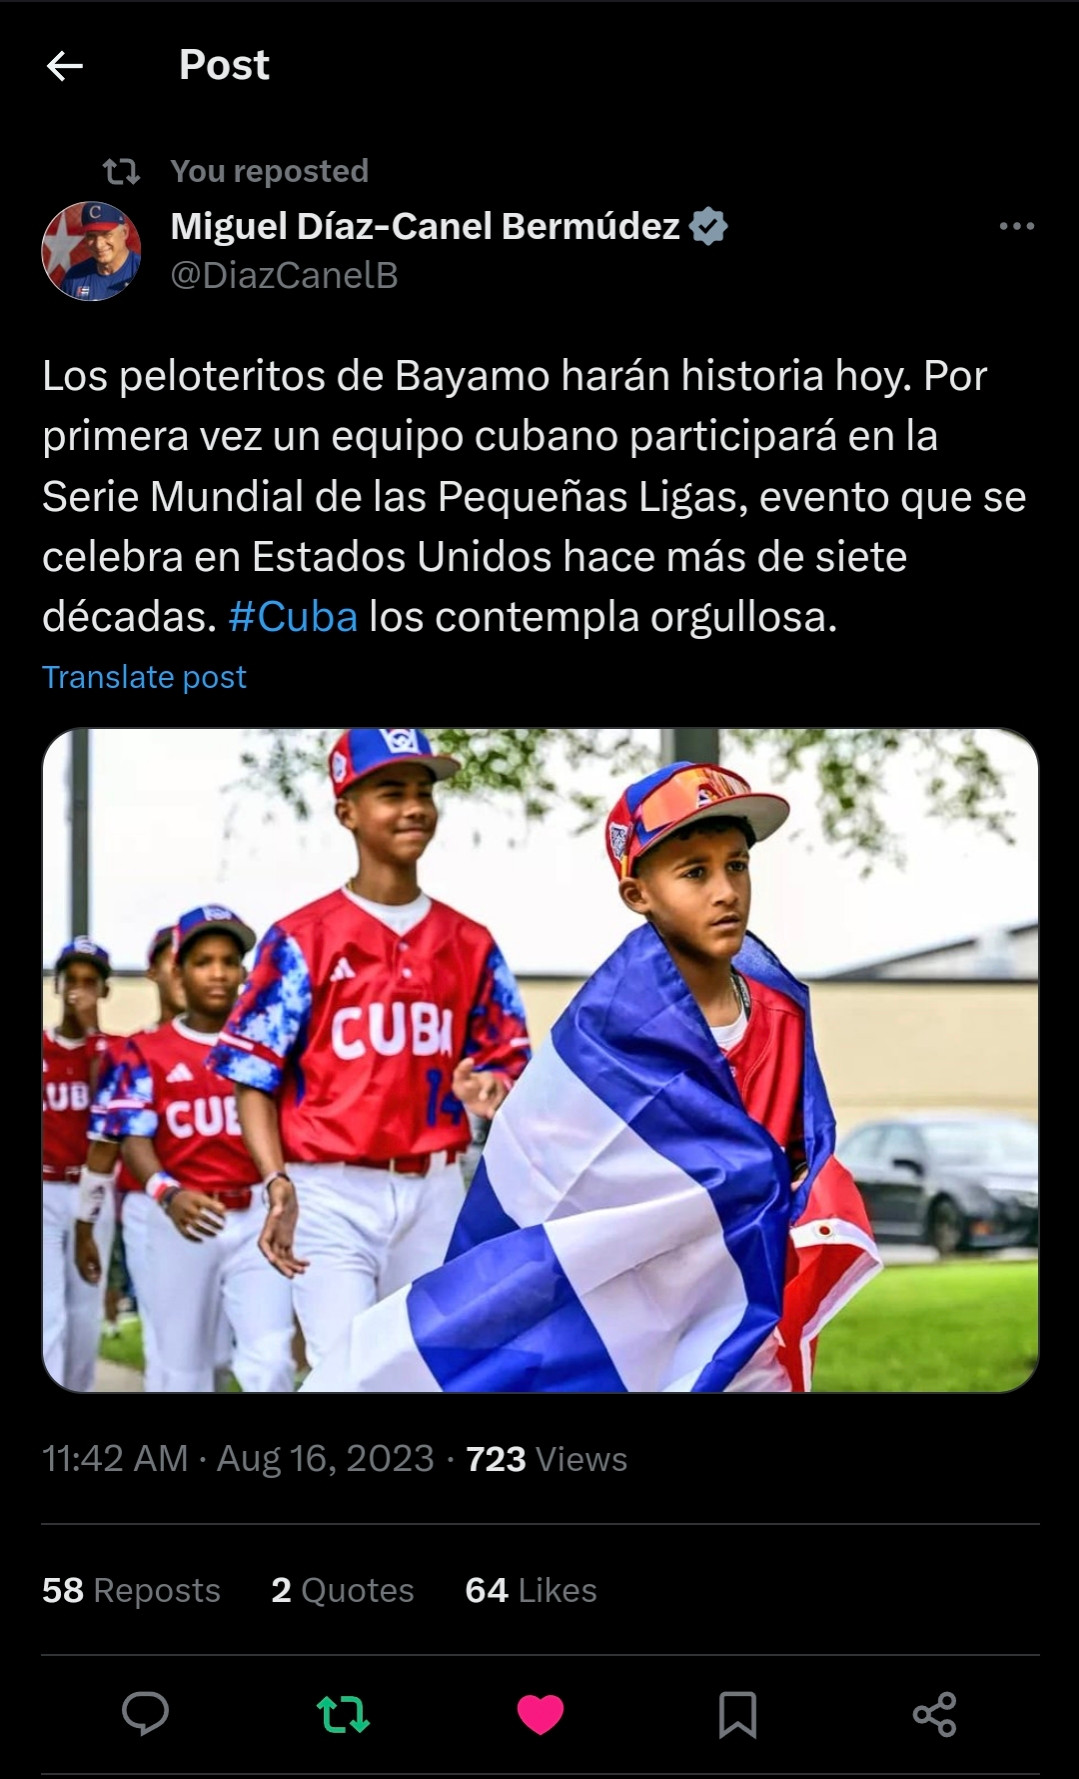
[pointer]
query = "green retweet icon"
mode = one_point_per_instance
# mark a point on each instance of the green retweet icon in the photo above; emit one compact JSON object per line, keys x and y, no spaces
{"x":358,"y":1723}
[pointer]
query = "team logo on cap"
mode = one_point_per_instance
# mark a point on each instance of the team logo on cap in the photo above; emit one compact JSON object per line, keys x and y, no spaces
{"x":338,"y":766}
{"x":401,"y":741}
{"x":617,"y":835}
{"x":218,"y":914}
{"x":95,"y":210}
{"x":83,"y":944}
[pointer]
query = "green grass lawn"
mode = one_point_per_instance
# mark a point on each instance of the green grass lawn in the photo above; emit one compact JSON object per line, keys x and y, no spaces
{"x":125,"y":1346}
{"x":961,"y":1325}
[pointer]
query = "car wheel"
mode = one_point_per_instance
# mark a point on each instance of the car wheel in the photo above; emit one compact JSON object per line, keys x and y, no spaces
{"x":946,"y":1226}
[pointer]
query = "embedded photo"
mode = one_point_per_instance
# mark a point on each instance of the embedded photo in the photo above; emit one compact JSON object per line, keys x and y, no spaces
{"x":539,"y":1061}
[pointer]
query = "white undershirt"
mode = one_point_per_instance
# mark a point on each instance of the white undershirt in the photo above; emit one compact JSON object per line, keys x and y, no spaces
{"x":401,"y":917}
{"x":727,"y":1036}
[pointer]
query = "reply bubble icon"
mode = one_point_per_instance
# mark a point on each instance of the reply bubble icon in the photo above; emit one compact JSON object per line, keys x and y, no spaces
{"x":148,"y":1716}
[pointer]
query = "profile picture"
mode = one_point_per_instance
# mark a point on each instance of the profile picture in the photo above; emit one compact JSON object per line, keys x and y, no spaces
{"x":91,"y":251}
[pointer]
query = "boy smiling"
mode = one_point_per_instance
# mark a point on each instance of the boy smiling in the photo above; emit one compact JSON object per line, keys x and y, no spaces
{"x":374,"y":1019}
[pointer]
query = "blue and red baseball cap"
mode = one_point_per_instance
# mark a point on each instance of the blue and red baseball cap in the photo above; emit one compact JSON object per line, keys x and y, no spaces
{"x":83,"y":950}
{"x":211,"y":919}
{"x":360,"y":751}
{"x":657,"y":806}
{"x":157,"y":944}
{"x":98,"y":219}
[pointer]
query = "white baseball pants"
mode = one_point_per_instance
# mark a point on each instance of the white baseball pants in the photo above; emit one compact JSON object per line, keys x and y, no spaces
{"x":366,"y":1232}
{"x":72,"y":1310}
{"x":192,"y":1282}
{"x":135,"y":1213}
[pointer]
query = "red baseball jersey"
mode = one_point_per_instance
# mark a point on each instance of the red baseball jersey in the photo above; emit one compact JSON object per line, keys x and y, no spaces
{"x":66,"y":1090}
{"x":168,"y":1091}
{"x":767,"y":1067}
{"x":357,"y":1029}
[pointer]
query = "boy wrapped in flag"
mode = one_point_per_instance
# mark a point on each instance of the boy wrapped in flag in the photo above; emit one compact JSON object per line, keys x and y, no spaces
{"x":658,"y":1207}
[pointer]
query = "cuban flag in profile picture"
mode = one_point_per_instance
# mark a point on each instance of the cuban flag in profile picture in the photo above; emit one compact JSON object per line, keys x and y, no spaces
{"x":63,"y":245}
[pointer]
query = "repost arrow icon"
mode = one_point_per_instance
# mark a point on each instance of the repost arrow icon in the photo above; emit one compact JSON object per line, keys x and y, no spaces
{"x":56,"y":64}
{"x":326,"y":1705}
{"x":359,"y":1723}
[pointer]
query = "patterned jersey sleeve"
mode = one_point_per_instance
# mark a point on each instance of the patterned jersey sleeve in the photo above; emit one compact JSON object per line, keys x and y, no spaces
{"x":107,"y":1082}
{"x":497,"y":1029}
{"x":269,"y":1019}
{"x":131,"y":1110}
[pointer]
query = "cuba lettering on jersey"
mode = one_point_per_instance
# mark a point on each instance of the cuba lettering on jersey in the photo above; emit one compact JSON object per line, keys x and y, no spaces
{"x":107,"y":1081}
{"x":357,"y":1030}
{"x":166,"y":1090}
{"x":66,"y":1085}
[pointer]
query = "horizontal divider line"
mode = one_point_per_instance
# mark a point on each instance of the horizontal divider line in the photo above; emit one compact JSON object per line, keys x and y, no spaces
{"x":542,"y":1655}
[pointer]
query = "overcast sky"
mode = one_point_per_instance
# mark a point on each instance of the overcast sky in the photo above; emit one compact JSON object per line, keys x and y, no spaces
{"x":169,"y":833}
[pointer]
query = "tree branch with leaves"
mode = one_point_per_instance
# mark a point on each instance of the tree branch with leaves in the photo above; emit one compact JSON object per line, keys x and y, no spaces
{"x":526,"y":768}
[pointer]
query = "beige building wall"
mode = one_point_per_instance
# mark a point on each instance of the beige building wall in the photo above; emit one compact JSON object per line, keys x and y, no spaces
{"x":895,"y":1046}
{"x":884,"y":1047}
{"x":887,"y":1047}
{"x":131,"y":1004}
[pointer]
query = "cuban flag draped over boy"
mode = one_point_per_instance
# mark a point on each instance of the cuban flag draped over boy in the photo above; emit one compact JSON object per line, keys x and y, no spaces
{"x":630,"y":1226}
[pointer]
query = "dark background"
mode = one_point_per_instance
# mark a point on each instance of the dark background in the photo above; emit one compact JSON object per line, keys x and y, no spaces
{"x":864,"y":157}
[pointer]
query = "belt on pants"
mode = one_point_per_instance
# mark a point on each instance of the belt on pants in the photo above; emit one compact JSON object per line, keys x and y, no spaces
{"x":231,"y":1198}
{"x":410,"y":1164}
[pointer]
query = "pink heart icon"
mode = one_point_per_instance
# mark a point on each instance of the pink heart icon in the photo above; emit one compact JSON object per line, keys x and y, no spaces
{"x":540,"y":1715}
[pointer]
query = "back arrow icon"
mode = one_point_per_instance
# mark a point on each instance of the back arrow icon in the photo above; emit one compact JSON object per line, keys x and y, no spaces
{"x":56,"y":64}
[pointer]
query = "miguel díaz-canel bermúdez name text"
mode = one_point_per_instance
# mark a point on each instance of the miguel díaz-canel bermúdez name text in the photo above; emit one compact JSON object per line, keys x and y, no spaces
{"x":509,"y":225}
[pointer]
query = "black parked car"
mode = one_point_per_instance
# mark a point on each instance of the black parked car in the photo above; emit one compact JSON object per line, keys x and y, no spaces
{"x":955,"y":1179}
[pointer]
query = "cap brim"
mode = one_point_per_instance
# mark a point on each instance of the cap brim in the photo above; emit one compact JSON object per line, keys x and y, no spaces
{"x":439,"y":765}
{"x":243,"y":934}
{"x":763,"y":811}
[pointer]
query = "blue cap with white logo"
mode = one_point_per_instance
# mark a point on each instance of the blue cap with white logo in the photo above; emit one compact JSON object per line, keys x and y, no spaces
{"x":360,"y":751}
{"x":98,"y":219}
{"x":83,"y":950}
{"x":211,"y":919}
